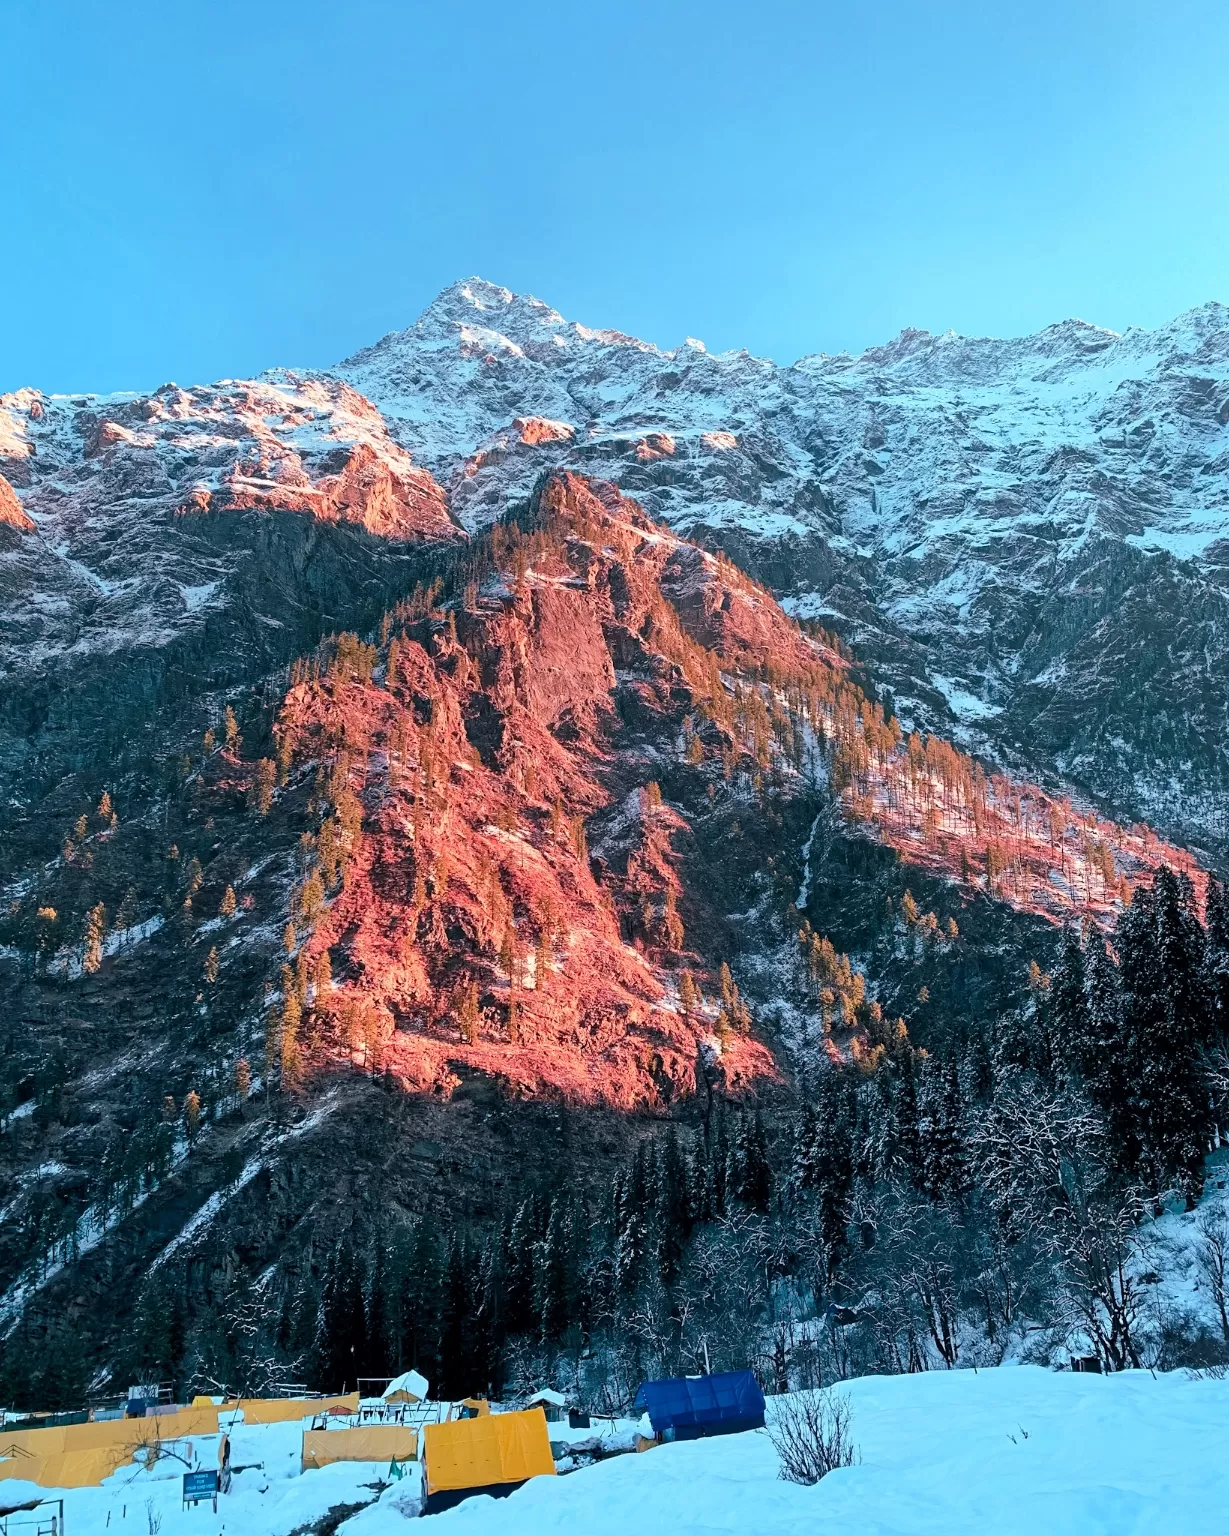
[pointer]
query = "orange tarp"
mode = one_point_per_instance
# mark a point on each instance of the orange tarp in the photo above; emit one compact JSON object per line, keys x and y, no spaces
{"x":371,"y":1442}
{"x":109,"y":1434}
{"x":496,"y":1448}
{"x":68,"y":1469}
{"x":281,"y":1410}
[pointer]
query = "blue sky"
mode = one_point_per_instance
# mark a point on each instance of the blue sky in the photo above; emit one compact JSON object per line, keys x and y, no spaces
{"x":193,"y":191}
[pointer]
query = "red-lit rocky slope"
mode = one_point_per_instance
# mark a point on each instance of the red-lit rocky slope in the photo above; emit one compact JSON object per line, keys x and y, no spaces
{"x":492,"y":848}
{"x":155,"y":548}
{"x":492,"y":871}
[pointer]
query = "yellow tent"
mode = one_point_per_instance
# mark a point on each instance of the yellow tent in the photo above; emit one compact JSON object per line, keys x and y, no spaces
{"x":491,"y":1454}
{"x":281,"y":1410}
{"x":67,"y":1469}
{"x":372,"y":1442}
{"x":115,"y":1436}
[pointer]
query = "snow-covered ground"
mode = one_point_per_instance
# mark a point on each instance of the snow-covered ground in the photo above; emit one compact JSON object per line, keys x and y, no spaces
{"x":992,"y":1452}
{"x":1013,"y":1450}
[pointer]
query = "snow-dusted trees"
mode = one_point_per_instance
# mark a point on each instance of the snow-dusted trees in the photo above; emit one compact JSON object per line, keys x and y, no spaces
{"x":1045,"y":1158}
{"x":1140,"y":1037}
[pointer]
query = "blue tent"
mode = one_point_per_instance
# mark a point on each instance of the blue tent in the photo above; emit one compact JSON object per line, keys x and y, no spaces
{"x":689,"y":1407}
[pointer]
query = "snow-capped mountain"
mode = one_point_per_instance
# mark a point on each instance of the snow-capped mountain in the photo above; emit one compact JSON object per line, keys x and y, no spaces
{"x":1029,"y":538}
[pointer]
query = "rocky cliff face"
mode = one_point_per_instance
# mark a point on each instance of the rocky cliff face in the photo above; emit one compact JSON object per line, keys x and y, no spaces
{"x":590,"y":821}
{"x":153,"y":550}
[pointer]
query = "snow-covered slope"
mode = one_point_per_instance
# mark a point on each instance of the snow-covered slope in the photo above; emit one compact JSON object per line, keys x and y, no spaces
{"x":1017,"y":1450}
{"x":982,"y":518}
{"x":908,"y":446}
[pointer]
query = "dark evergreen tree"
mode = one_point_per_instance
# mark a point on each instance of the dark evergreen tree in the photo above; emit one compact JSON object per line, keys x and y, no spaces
{"x":906,"y":1139}
{"x":945,"y":1162}
{"x":458,"y":1363}
{"x":1069,"y":1020}
{"x":556,"y":1271}
{"x":341,"y":1340}
{"x":1167,"y":1022}
{"x":1217,"y":956}
{"x":489,"y":1330}
{"x":519,"y":1262}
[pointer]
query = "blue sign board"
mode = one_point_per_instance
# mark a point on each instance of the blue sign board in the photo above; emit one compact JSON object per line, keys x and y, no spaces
{"x":199,"y":1485}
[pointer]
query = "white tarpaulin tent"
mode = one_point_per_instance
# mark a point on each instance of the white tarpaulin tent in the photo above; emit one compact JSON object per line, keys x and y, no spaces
{"x":410,"y":1386}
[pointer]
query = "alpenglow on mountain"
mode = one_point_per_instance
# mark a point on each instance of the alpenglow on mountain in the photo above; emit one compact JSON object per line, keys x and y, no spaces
{"x":1027,"y":540}
{"x":528,"y":848}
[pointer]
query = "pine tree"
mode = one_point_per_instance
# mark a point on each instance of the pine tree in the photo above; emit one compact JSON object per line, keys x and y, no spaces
{"x":756,"y":1167}
{"x":1068,"y":1017}
{"x":687,"y":993}
{"x":192,"y":1113}
{"x":311,"y":898}
{"x":211,"y":965}
{"x":556,"y":1271}
{"x":519,"y":1285}
{"x":261,"y":794}
{"x":1167,"y":1021}
{"x":943,"y":1152}
{"x":227,"y":907}
{"x":1217,"y":958}
{"x":468,"y":1017}
{"x":457,"y":1364}
{"x":243,"y":1079}
{"x":487,"y":1326}
{"x":290,"y":1058}
{"x":630,"y":1225}
{"x":341,"y":1338}
{"x":906,"y":1139}
{"x":95,"y":933}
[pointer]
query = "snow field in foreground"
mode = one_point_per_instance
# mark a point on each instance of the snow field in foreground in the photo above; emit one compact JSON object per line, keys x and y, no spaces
{"x":1125,"y":1454}
{"x":997,"y":1453}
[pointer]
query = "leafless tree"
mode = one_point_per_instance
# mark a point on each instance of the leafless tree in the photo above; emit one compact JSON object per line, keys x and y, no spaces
{"x":1045,"y":1155}
{"x":811,"y":1433}
{"x":1212,"y":1262}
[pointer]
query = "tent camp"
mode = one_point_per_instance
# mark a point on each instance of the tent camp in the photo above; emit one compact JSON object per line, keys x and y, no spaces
{"x":409,"y":1387}
{"x":494,"y":1453}
{"x":691,"y":1407}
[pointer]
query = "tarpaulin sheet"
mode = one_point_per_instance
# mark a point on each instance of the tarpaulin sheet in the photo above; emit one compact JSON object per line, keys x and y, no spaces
{"x":409,"y":1387}
{"x":123,"y":1434}
{"x":496,"y":1448}
{"x":691,"y":1405}
{"x":282,"y":1410}
{"x":370,"y":1442}
{"x":69,"y":1469}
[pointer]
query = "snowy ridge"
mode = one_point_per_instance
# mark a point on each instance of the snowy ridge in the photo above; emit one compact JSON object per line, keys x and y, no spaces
{"x":997,"y":526}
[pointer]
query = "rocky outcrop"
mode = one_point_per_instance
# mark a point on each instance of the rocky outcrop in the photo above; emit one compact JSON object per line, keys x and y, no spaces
{"x":14,"y":521}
